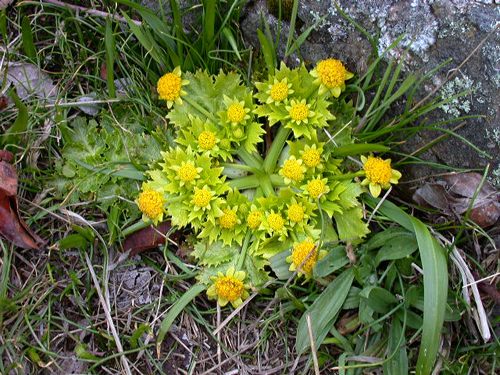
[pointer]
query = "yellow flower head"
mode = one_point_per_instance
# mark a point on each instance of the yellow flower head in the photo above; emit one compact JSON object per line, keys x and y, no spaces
{"x":228,"y":220}
{"x":187,"y":173}
{"x":236,"y":113}
{"x":275,"y":222}
{"x":296,"y":213}
{"x":279,"y":91}
{"x":169,"y":87}
{"x":379,"y":174}
{"x":331,"y":75}
{"x":311,"y":157}
{"x":316,"y":188}
{"x":254,"y":219}
{"x":202,"y":197}
{"x":229,"y":288}
{"x":151,"y":202}
{"x":206,"y":140}
{"x":306,"y":254}
{"x":299,"y":112}
{"x":292,"y":170}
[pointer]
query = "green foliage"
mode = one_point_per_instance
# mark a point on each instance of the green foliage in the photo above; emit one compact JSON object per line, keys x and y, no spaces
{"x":97,"y":159}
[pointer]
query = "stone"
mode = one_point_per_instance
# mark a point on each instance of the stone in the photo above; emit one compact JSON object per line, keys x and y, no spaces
{"x":436,"y":30}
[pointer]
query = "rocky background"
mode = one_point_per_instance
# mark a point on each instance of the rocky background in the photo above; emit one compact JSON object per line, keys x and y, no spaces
{"x":436,"y":30}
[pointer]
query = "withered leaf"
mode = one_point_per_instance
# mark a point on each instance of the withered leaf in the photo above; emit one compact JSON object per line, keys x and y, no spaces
{"x":453,"y":196}
{"x":12,"y":227}
{"x":3,"y":102}
{"x":146,"y":238}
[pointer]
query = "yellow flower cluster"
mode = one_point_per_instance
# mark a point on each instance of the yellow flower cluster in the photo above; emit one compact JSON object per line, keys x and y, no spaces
{"x":151,"y":202}
{"x":316,"y":187}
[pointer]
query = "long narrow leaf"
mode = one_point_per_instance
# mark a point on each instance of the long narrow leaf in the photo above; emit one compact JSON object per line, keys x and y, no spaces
{"x":176,"y":309}
{"x":267,"y":51}
{"x":27,"y":38}
{"x":110,"y":58}
{"x":435,"y":284}
{"x":232,"y":41}
{"x":20,"y":125}
{"x":324,"y":311}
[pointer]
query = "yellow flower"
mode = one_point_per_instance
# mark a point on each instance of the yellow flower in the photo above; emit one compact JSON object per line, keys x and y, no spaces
{"x":228,"y":220}
{"x":331,"y":75}
{"x":169,"y":87}
{"x":316,"y":188}
{"x":292,"y":170}
{"x":202,"y":198}
{"x":254,"y":219}
{"x":151,"y":202}
{"x":187,"y":172}
{"x":206,"y":140}
{"x":379,"y":174}
{"x":275,"y":222}
{"x":299,"y":112}
{"x":229,"y":288}
{"x":296,"y":213}
{"x":311,"y":157}
{"x":305,"y":250}
{"x":279,"y":91}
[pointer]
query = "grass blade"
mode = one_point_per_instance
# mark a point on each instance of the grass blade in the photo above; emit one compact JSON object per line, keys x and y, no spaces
{"x":267,"y":51}
{"x":293,"y":18}
{"x":27,"y":38}
{"x":19,"y":126}
{"x":109,"y":40}
{"x":176,"y":310}
{"x":229,"y":36}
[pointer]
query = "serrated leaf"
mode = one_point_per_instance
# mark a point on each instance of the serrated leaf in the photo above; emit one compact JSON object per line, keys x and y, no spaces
{"x":214,"y":254}
{"x":350,"y":224}
{"x":254,"y":267}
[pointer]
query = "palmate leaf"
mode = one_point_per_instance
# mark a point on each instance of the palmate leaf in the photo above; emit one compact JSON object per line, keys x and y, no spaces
{"x":350,"y":224}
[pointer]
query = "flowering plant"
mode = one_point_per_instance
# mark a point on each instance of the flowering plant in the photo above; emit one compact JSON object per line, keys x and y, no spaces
{"x":250,"y":200}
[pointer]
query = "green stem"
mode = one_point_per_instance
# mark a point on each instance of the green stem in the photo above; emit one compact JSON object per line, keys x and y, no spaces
{"x":248,"y":158}
{"x":244,"y":249}
{"x":135,"y":227}
{"x":243,"y":183}
{"x":277,"y":181}
{"x":266,"y":185}
{"x":275,"y":150}
{"x":199,"y":108}
{"x":347,"y":176}
{"x":243,"y":167}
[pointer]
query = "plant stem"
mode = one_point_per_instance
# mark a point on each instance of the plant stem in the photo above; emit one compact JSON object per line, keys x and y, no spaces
{"x":243,"y":167}
{"x":243,"y":183}
{"x":347,"y":176}
{"x":244,"y":249}
{"x":275,"y":150}
{"x":277,"y":181}
{"x":249,"y":159}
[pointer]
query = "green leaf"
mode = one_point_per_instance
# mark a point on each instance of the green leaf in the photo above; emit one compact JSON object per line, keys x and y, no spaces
{"x":73,"y":241}
{"x":229,"y":36}
{"x":27,"y":38}
{"x":20,"y":125}
{"x":435,"y":269}
{"x":176,"y":309}
{"x":397,"y":248}
{"x":267,"y":51}
{"x":398,"y":364}
{"x":331,"y":262}
{"x":280,"y":266}
{"x":359,"y":148}
{"x":109,"y":40}
{"x":323,"y":312}
{"x":214,"y":254}
{"x":138,"y":333}
{"x":379,"y":299}
{"x":350,"y":225}
{"x":82,"y":352}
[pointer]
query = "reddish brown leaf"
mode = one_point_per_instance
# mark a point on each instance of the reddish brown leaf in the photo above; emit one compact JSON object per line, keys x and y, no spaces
{"x":146,"y":238}
{"x":3,"y":102}
{"x":453,"y":196}
{"x":12,"y":227}
{"x":104,"y":71}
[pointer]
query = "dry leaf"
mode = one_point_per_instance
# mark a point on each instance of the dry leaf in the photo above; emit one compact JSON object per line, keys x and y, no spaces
{"x":3,"y":102}
{"x":453,"y":196}
{"x":146,"y":238}
{"x":12,"y":227}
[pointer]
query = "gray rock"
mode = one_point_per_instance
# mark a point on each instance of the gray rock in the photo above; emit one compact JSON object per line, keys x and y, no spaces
{"x":436,"y":31}
{"x":30,"y":80}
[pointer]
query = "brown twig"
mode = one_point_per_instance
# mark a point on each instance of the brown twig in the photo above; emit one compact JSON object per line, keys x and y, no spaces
{"x":93,"y":12}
